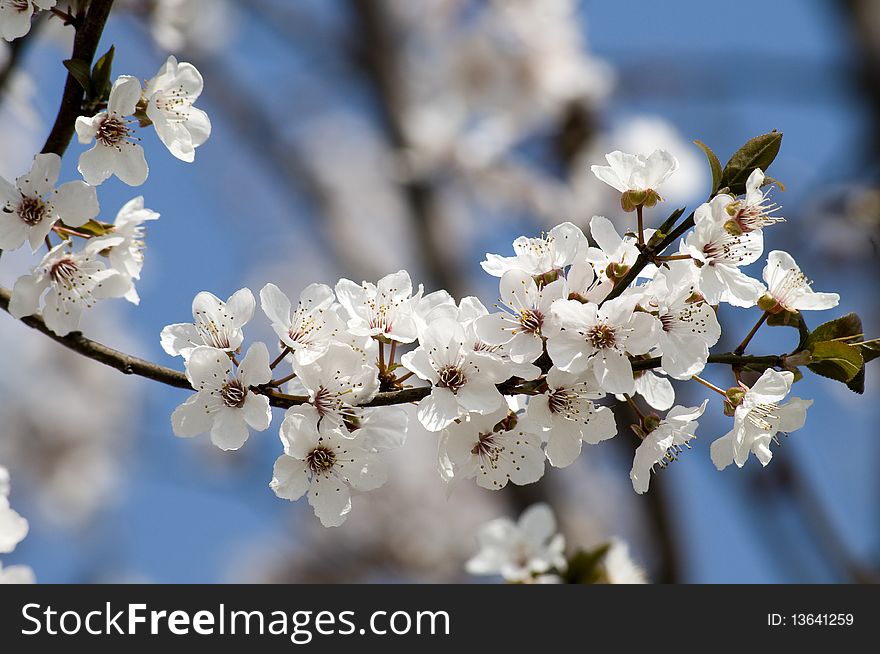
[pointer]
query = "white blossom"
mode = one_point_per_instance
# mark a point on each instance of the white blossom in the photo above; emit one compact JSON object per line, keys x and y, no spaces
{"x":326,"y":464}
{"x":520,"y":325}
{"x":115,"y":151}
{"x":753,"y":212}
{"x":15,"y":16}
{"x":597,"y":339}
{"x":719,"y":254}
{"x":631,"y":172}
{"x":664,"y":443}
{"x":758,"y":420}
{"x":788,"y":289}
{"x":71,"y":282}
{"x":520,"y":551}
{"x":614,"y":254}
{"x":128,"y":257}
{"x":310,"y":327}
{"x":170,"y":97}
{"x":493,"y":450}
{"x":384,"y":309}
{"x":13,"y":528}
{"x":224,"y":403}
{"x":217,"y":324}
{"x":565,"y":416}
{"x":462,"y":380}
{"x":16,"y":574}
{"x":689,"y":326}
{"x":619,"y":567}
{"x":31,"y":207}
{"x":562,"y":246}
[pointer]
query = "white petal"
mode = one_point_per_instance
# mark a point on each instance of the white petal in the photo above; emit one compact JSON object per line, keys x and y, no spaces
{"x":229,"y":431}
{"x":290,"y":478}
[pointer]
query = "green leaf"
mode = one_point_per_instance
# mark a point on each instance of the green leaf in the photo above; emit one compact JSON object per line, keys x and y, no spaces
{"x":870,"y":349}
{"x":790,"y":319}
{"x":79,"y":69}
{"x":836,"y":360}
{"x":100,"y":88}
{"x":841,"y":328}
{"x":857,"y":383}
{"x":714,"y":165}
{"x":758,"y":152}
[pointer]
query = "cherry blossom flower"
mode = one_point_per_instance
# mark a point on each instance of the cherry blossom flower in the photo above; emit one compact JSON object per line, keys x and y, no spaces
{"x":217,"y":324}
{"x":337,"y":382}
{"x":462,"y":380}
{"x":469,"y":312}
{"x":30,"y":208}
{"x":758,"y":419}
{"x":307,"y":329}
{"x":71,"y":282}
{"x":325,"y":464}
{"x":128,"y":256}
{"x":615,"y":254}
{"x":582,"y":283}
{"x":664,"y":443}
{"x":493,"y":450}
{"x":689,"y":326}
{"x":788,"y":289}
{"x":655,"y":389}
{"x":719,"y":255}
{"x":15,"y":16}
{"x":597,"y":339}
{"x":114,"y":152}
{"x":170,"y":97}
{"x":637,"y":176}
{"x":547,"y":255}
{"x":224,"y":403}
{"x":520,"y":325}
{"x":755,"y":211}
{"x":384,"y":309}
{"x":520,"y":551}
{"x":566,"y":417}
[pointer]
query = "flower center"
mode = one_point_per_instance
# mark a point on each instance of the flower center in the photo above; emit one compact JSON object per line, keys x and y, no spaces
{"x":531,"y":321}
{"x":726,"y":249}
{"x":324,"y":402}
{"x":763,"y":416}
{"x":487,"y":447}
{"x":667,"y":321}
{"x":750,"y":217}
{"x":560,"y":400}
{"x":212,"y":333}
{"x":31,"y":210}
{"x":320,"y":459}
{"x":602,"y":336}
{"x":233,"y":394}
{"x":175,"y":103}
{"x":112,"y":131}
{"x":451,"y":377}
{"x":64,"y":272}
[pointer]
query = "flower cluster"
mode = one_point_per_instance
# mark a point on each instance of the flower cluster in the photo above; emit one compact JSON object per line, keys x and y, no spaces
{"x":531,"y":551}
{"x":505,"y":389}
{"x":13,"y":529}
{"x":69,"y":280}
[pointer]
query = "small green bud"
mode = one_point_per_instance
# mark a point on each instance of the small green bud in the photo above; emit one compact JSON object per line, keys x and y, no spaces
{"x":769,"y":304}
{"x":735,"y":395}
{"x":650,"y":422}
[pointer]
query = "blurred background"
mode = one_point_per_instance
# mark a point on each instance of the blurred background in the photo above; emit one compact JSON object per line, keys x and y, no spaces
{"x":353,"y":138}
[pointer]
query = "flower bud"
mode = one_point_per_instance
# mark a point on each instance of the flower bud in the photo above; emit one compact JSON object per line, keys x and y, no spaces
{"x":650,"y":422}
{"x":735,"y":395}
{"x":729,"y":409}
{"x":769,"y":304}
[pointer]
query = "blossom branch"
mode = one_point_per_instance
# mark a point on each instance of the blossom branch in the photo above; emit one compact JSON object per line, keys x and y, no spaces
{"x":85,"y":44}
{"x":132,"y":365}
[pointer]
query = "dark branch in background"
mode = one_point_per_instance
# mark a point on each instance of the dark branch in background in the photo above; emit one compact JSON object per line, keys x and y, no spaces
{"x":379,"y":57}
{"x":85,"y":44}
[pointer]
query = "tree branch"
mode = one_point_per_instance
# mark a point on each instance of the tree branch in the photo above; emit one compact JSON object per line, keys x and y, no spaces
{"x":85,"y":43}
{"x":132,"y":365}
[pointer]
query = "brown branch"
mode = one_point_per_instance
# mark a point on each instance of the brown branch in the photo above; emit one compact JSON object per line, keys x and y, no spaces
{"x":132,"y":365}
{"x":85,"y":44}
